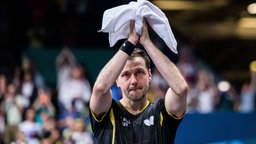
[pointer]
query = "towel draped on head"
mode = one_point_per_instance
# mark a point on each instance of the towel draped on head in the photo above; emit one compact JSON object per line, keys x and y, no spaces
{"x":116,"y":22}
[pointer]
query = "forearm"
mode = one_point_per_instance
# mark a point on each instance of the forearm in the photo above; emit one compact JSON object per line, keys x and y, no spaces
{"x":108,"y":75}
{"x":176,"y":95}
{"x":111,"y":71}
{"x":167,"y":68}
{"x":101,"y":97}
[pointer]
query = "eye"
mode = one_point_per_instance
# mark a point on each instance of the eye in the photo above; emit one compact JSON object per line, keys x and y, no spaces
{"x":140,"y":72}
{"x":125,"y":75}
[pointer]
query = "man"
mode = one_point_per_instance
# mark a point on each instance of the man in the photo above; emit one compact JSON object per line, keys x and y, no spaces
{"x":133,"y":119}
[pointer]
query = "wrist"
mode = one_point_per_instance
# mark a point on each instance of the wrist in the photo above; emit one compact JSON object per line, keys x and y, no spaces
{"x":127,"y":47}
{"x":147,"y":43}
{"x":132,"y":40}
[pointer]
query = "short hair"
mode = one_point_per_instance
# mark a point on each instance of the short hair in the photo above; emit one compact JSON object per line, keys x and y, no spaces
{"x":138,"y":52}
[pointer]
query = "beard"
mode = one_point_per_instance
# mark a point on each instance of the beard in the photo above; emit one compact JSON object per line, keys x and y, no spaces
{"x":136,"y":94}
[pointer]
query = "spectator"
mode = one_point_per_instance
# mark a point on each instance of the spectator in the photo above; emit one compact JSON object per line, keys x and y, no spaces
{"x":51,"y":133}
{"x":28,"y":88}
{"x":248,"y":92}
{"x":65,"y":61}
{"x":17,"y":75}
{"x":28,"y":66}
{"x":3,"y":89}
{"x":3,"y":85}
{"x":74,"y":94}
{"x":43,"y":106}
{"x":192,"y":97}
{"x":67,"y":131}
{"x":80,"y":135}
{"x":13,"y":106}
{"x":187,"y":64}
{"x":206,"y":92}
{"x":228,"y":99}
{"x":20,"y":138}
{"x":31,"y":129}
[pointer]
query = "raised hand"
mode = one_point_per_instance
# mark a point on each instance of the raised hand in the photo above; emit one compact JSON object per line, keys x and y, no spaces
{"x":133,"y":36}
{"x":144,"y":38}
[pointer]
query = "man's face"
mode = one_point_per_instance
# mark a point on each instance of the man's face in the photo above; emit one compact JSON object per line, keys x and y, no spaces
{"x":134,"y":79}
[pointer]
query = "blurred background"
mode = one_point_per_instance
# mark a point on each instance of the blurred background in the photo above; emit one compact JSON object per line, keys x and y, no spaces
{"x":57,"y":40}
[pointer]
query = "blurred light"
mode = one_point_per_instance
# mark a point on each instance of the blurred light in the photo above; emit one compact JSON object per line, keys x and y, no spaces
{"x":189,"y":5}
{"x":253,"y":66}
{"x":223,"y":86}
{"x":175,"y":5}
{"x":251,"y":8}
{"x":247,"y":23}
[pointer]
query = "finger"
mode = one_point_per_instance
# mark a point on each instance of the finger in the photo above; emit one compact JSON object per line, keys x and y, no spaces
{"x":132,"y":23}
{"x":144,"y":28}
{"x":145,"y":23}
{"x":144,"y":20}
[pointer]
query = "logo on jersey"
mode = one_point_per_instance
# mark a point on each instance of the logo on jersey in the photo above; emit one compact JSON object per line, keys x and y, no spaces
{"x":125,"y":122}
{"x":149,"y":122}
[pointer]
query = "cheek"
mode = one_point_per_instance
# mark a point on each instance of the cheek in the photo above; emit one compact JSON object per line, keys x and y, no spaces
{"x":122,"y":84}
{"x":125,"y":85}
{"x":147,"y":83}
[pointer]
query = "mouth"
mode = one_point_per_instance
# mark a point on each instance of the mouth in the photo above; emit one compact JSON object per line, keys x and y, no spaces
{"x":134,"y":89}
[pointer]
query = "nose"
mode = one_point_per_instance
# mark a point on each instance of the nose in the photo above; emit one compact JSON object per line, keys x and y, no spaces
{"x":133,"y":80}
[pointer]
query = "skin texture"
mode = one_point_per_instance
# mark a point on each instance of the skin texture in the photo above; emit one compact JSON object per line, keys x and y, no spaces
{"x":133,"y":78}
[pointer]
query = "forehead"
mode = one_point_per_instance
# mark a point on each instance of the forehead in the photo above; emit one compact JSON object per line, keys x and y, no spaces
{"x":135,"y":62}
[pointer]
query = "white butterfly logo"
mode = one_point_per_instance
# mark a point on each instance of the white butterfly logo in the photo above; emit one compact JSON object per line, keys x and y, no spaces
{"x":150,"y":121}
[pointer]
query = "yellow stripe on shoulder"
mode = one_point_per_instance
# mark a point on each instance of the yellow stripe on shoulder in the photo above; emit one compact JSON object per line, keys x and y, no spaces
{"x":98,"y":120}
{"x":161,"y":119}
{"x":112,"y":119}
{"x":172,"y":115}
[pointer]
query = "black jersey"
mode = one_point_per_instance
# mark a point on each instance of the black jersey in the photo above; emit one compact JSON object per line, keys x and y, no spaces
{"x":154,"y":125}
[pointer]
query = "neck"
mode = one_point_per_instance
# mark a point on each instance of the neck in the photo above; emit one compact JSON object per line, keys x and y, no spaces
{"x":134,"y":107}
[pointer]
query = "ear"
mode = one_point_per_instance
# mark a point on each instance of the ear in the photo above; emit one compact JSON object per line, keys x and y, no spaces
{"x":149,"y":74}
{"x":117,"y":83}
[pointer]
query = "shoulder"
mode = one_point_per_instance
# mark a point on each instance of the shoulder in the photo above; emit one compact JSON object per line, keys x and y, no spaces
{"x":158,"y":104}
{"x":102,"y":117}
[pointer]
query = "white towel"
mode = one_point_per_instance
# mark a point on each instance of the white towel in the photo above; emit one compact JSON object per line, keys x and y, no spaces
{"x":116,"y":22}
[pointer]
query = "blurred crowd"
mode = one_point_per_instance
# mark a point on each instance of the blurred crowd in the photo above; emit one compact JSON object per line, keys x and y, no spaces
{"x":32,"y":112}
{"x":209,"y":92}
